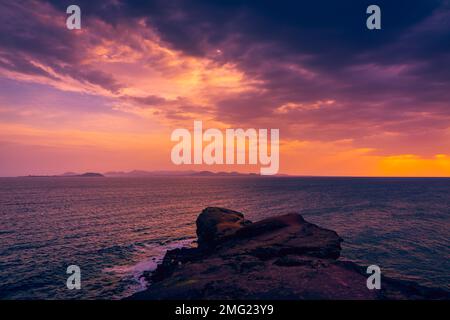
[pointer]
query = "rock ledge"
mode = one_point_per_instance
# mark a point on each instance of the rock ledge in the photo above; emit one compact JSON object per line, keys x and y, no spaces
{"x":283,"y":257}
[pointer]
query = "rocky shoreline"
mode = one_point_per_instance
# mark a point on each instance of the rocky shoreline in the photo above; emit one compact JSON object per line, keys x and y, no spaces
{"x":283,"y":257}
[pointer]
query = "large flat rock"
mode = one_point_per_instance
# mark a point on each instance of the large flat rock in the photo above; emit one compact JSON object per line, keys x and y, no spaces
{"x":283,"y":257}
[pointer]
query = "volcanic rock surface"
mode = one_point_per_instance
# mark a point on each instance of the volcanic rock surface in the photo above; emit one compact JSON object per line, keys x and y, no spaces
{"x":283,"y":257}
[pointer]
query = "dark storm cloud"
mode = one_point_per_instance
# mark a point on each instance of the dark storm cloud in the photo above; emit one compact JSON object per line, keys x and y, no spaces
{"x":31,"y":43}
{"x":373,"y":74}
{"x":381,"y":80}
{"x":312,"y":27}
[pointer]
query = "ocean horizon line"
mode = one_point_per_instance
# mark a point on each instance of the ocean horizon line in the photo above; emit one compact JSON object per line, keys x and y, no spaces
{"x":204,"y":173}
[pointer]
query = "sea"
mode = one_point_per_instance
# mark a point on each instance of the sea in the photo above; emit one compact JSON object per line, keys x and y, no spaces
{"x":115,"y":229}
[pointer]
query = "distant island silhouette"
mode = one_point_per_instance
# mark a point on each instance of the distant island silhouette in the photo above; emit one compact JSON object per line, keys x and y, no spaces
{"x":158,"y":173}
{"x":70,"y":174}
{"x":142,"y":173}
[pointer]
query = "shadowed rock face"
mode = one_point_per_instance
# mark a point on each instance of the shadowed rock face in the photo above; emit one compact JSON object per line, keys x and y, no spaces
{"x":215,"y":224}
{"x":283,"y":257}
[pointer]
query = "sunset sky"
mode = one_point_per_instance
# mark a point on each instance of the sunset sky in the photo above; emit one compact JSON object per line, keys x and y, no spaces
{"x":347,"y":100}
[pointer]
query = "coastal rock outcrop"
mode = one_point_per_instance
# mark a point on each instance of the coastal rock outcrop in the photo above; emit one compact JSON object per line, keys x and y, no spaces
{"x":216,"y":224}
{"x":283,"y":257}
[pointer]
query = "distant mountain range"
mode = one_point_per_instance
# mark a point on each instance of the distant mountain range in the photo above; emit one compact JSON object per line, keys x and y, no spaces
{"x":160,"y":173}
{"x":72,"y":174}
{"x":189,"y":173}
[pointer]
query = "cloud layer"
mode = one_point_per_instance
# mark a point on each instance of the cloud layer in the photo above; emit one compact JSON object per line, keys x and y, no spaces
{"x":310,"y":68}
